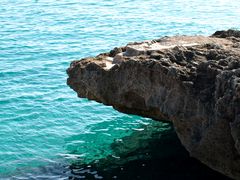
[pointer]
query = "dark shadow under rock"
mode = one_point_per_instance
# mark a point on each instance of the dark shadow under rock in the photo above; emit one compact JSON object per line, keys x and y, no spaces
{"x":152,"y":154}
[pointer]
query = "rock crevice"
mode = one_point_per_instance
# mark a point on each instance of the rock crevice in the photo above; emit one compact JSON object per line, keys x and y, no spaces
{"x":191,"y":81}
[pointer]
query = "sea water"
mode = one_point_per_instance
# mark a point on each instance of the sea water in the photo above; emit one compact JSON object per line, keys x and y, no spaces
{"x":43,"y":125}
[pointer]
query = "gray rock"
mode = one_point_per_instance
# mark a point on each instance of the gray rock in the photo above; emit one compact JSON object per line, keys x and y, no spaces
{"x":192,"y":81}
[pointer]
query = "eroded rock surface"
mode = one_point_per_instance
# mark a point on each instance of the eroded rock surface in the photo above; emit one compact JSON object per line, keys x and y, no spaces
{"x":192,"y":81}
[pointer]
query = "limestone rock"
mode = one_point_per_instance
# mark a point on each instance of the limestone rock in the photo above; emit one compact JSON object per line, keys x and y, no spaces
{"x":192,"y":81}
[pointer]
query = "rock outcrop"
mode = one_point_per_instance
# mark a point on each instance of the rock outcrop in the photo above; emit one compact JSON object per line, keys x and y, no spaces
{"x":191,"y":81}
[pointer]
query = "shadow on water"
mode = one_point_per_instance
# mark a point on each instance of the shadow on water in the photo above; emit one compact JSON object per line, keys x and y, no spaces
{"x":152,"y":153}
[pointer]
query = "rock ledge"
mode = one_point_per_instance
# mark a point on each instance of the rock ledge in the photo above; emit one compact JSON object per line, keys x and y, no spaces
{"x":191,"y":81}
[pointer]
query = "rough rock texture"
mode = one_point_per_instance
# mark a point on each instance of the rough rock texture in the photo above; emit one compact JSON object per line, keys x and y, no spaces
{"x":192,"y":81}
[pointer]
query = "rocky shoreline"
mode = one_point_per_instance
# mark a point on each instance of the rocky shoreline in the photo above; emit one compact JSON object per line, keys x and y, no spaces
{"x":191,"y":81}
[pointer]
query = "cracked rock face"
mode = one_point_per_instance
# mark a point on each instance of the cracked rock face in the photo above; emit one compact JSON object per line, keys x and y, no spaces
{"x":191,"y":81}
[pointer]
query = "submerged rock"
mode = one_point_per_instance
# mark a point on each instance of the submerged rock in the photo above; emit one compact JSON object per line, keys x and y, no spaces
{"x":191,"y":81}
{"x":154,"y":153}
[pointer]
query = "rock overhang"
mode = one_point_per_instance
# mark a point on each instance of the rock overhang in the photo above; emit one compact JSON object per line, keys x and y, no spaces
{"x":192,"y":81}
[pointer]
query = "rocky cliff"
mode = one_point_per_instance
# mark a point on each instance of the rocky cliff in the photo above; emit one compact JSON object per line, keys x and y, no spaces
{"x":192,"y":81}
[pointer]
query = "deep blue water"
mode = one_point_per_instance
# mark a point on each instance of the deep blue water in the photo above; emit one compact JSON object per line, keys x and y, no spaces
{"x":42,"y":122}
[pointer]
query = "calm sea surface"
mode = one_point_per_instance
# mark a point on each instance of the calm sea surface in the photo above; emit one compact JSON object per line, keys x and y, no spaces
{"x":43,"y":125}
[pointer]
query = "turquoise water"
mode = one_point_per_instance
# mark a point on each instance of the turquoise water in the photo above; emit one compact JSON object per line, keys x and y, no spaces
{"x":42,"y":122}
